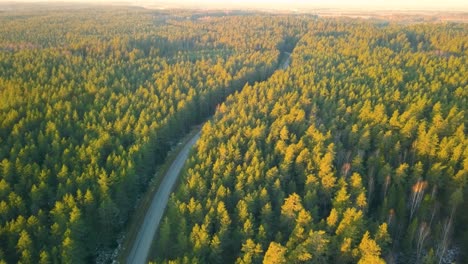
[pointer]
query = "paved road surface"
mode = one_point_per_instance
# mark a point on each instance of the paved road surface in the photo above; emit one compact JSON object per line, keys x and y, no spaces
{"x":142,"y":243}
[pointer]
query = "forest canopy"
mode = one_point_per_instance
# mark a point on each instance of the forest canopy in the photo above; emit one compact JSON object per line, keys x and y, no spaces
{"x":355,"y":153}
{"x":91,"y":100}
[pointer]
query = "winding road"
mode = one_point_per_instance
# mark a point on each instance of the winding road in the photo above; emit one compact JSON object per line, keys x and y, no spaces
{"x":142,"y":243}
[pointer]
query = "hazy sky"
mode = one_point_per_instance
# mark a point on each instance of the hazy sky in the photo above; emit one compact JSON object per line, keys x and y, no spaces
{"x":347,"y":3}
{"x":460,"y":5}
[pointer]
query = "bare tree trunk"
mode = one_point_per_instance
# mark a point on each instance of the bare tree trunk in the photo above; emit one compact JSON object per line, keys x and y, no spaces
{"x":370,"y":189}
{"x":423,"y":234}
{"x":386,"y":184}
{"x":434,"y":211}
{"x":445,"y":236}
{"x":417,"y":196}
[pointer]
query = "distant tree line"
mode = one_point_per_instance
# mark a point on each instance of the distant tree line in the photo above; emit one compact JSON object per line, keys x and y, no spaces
{"x":92,"y":99}
{"x":355,"y":154}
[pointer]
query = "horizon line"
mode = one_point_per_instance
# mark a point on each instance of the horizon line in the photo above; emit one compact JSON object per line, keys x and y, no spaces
{"x":297,"y":7}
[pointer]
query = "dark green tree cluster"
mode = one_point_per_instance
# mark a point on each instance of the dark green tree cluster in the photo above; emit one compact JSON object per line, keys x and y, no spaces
{"x":92,"y":99}
{"x":357,"y":153}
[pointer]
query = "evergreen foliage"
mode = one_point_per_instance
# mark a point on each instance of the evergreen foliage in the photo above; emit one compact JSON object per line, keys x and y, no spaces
{"x":92,"y":99}
{"x":357,"y":153}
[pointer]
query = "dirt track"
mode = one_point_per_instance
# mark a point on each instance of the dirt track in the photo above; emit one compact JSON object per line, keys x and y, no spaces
{"x":142,"y":244}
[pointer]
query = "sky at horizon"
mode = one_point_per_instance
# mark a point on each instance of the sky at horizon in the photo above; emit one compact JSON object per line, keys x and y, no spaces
{"x":460,"y":5}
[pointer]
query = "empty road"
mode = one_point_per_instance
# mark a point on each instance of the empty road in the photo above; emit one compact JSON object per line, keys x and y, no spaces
{"x":142,"y":243}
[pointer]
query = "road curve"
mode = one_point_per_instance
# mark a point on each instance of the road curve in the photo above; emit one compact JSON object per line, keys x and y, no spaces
{"x":142,"y":243}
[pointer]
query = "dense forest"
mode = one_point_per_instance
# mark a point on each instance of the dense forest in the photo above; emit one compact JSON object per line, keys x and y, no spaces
{"x":91,"y":100}
{"x":357,"y":153}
